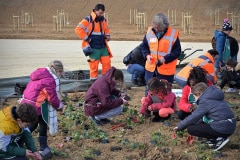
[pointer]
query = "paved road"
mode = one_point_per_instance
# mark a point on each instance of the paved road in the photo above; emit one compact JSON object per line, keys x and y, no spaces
{"x":21,"y":57}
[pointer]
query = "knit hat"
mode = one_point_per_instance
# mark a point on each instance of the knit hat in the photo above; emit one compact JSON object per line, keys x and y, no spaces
{"x":226,"y":25}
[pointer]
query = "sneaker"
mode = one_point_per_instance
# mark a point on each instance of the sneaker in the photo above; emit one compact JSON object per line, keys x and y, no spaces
{"x":231,"y":90}
{"x":220,"y":143}
{"x":105,"y":121}
{"x":95,"y":121}
{"x":211,"y":142}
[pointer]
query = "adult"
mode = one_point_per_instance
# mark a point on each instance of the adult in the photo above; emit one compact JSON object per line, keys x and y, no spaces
{"x":161,"y":47}
{"x":135,"y":63}
{"x":44,"y":93}
{"x":205,"y":61}
{"x":95,"y":34}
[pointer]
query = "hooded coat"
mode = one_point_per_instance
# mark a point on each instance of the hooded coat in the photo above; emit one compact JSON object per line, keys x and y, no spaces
{"x":41,"y":88}
{"x":98,"y":98}
{"x":212,"y":105}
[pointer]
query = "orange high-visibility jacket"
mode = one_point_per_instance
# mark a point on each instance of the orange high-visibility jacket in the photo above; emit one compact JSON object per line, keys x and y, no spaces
{"x":205,"y":61}
{"x":159,"y":49}
{"x":89,"y":26}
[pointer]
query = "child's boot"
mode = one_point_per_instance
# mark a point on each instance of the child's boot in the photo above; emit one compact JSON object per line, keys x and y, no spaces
{"x":45,"y":151}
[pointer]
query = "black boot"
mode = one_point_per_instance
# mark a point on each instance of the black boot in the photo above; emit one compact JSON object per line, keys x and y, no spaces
{"x":156,"y":117}
{"x":134,"y":82}
{"x":43,"y":142}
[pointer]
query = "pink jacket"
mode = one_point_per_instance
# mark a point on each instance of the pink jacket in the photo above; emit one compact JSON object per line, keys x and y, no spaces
{"x":41,"y":88}
{"x":168,"y":101}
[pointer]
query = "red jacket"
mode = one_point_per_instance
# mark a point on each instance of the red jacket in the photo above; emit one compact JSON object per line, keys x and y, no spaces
{"x":184,"y":104}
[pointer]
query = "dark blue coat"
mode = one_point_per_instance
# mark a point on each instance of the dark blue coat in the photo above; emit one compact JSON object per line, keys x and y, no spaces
{"x":212,"y":105}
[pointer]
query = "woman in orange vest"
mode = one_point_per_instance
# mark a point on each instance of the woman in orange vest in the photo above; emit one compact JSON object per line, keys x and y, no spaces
{"x":161,"y":47}
{"x":95,"y":34}
{"x":205,"y":61}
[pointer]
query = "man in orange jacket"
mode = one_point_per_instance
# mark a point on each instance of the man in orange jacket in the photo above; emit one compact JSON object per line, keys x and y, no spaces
{"x":95,"y":34}
{"x":205,"y":61}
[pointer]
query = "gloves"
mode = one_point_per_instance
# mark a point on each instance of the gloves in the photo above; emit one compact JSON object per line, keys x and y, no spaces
{"x":87,"y":51}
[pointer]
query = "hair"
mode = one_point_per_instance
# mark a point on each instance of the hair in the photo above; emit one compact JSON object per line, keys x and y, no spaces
{"x":231,"y":63}
{"x":213,"y":52}
{"x":155,"y":84}
{"x":161,"y":21}
{"x":99,"y":7}
{"x":118,"y":75}
{"x":197,"y":74}
{"x":199,"y":88}
{"x":55,"y":66}
{"x":27,"y":113}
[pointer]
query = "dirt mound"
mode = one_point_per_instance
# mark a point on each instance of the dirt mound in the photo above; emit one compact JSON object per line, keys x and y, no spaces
{"x":118,"y":14}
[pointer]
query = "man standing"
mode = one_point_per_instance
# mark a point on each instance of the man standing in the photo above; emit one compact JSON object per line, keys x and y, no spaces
{"x":95,"y":34}
{"x":161,"y":47}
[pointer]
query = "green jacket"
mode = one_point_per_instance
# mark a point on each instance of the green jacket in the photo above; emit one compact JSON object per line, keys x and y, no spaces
{"x":9,"y":140}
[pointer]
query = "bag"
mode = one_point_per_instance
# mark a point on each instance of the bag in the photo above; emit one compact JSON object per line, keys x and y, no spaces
{"x":126,"y":59}
{"x":49,"y":115}
{"x":233,"y":46}
{"x":227,"y":51}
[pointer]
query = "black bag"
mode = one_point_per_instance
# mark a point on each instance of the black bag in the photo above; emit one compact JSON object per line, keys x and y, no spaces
{"x":126,"y":59}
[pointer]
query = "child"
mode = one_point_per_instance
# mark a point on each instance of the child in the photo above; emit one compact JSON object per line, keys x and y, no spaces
{"x":43,"y":92}
{"x":212,"y":119}
{"x":13,"y":129}
{"x":160,"y":100}
{"x":232,"y":76}
{"x":102,"y":99}
{"x":197,"y":74}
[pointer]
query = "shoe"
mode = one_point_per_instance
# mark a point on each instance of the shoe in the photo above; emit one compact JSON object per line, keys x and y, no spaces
{"x":210,"y":142}
{"x":156,"y":119}
{"x":135,"y":82}
{"x":220,"y":143}
{"x":231,"y":90}
{"x":95,"y":121}
{"x":105,"y":121}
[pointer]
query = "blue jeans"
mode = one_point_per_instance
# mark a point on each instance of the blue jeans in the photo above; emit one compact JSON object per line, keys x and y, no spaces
{"x":136,"y":70}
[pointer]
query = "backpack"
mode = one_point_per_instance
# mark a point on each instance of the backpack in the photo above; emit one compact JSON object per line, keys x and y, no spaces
{"x":234,"y":47}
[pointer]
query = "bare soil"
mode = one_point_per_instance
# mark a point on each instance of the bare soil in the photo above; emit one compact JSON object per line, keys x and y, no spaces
{"x":140,"y":138}
{"x":136,"y":137}
{"x":204,"y":21}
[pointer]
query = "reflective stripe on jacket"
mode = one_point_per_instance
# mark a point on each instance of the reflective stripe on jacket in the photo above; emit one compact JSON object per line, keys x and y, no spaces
{"x":204,"y":61}
{"x":159,"y":49}
{"x":96,"y":30}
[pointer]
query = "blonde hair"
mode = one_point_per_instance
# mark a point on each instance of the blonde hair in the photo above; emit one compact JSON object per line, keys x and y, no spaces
{"x":55,"y":66}
{"x":199,"y":88}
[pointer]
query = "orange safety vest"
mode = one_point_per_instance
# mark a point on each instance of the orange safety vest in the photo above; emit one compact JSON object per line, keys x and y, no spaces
{"x":86,"y":27}
{"x":204,"y":61}
{"x":161,"y":48}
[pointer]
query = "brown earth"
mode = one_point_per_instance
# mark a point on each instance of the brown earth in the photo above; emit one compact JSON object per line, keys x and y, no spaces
{"x":78,"y":138}
{"x":139,"y":139}
{"x":118,"y":14}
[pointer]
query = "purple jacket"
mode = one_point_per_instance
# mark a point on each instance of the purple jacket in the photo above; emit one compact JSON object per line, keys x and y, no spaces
{"x":99,"y":99}
{"x":42,"y":87}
